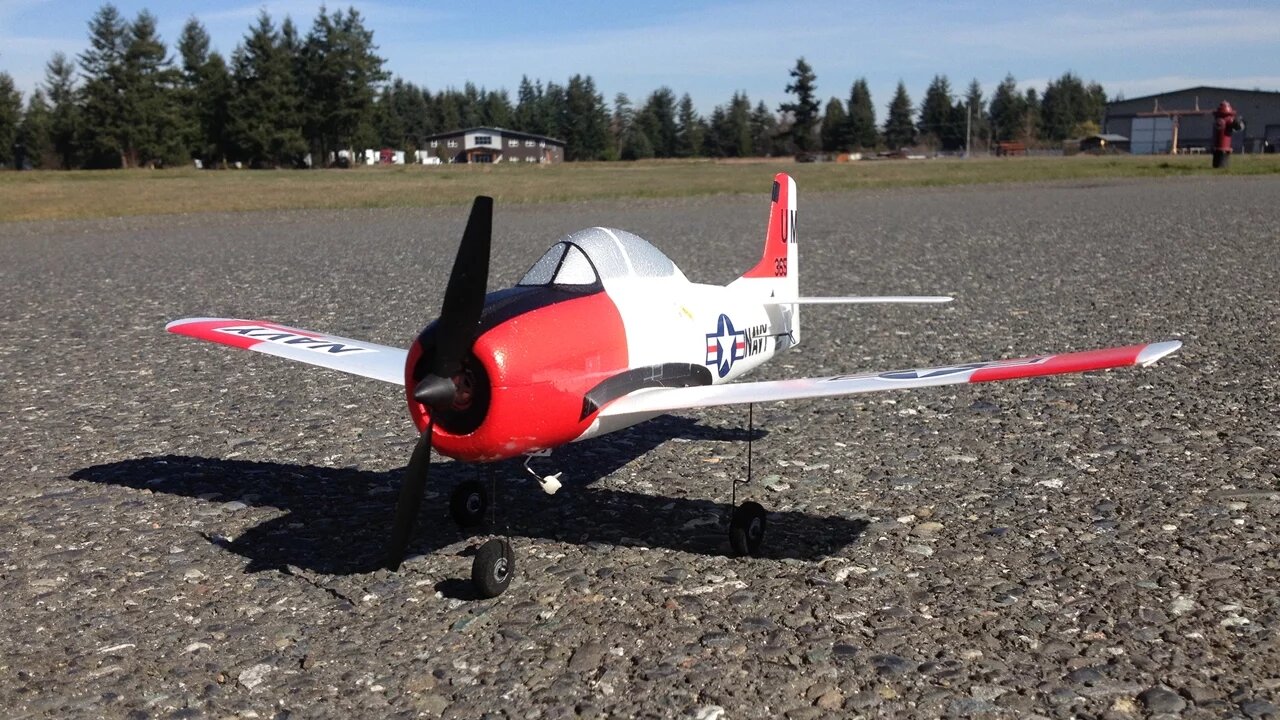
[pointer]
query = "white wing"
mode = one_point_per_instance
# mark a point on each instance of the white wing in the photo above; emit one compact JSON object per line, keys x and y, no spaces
{"x":666,"y":399}
{"x":357,"y":357}
{"x":862,"y":300}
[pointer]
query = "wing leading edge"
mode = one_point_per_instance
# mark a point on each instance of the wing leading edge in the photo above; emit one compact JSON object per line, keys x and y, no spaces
{"x":668,"y":399}
{"x":357,"y":357}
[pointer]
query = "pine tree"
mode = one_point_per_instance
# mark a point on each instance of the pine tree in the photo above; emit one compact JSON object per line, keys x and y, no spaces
{"x":266,"y":125}
{"x":1031,"y":129}
{"x":64,"y":123}
{"x":1069,"y":107}
{"x":206,"y":95}
{"x":835,"y":127}
{"x":862,"y":117}
{"x":410,"y":106}
{"x":764,"y":130}
{"x":737,"y":137}
{"x":36,"y":134}
{"x":526,"y":117}
{"x":341,"y":71}
{"x":730,"y":130}
{"x":1008,"y":112}
{"x":103,"y":96}
{"x":715,"y":143}
{"x":637,"y":146}
{"x":899,"y":131}
{"x":741,"y":132}
{"x":446,"y":111}
{"x":193,"y":48}
{"x":689,"y":129}
{"x":621,"y":123}
{"x":10,"y":118}
{"x":496,"y":109}
{"x":937,"y":116}
{"x":154,"y":131}
{"x":586,"y":121}
{"x":469,"y":105}
{"x":387,"y":123}
{"x":976,"y":114}
{"x":553,"y":111}
{"x":804,"y":110}
{"x":657,"y":120}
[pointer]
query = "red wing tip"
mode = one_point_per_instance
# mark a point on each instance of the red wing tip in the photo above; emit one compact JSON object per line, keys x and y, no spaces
{"x":1155,"y":351}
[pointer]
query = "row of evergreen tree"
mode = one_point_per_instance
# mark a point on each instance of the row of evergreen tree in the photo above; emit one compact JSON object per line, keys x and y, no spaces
{"x":125,"y":102}
{"x":1067,"y":108}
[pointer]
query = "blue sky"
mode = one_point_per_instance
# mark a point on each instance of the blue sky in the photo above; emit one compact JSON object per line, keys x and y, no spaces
{"x":711,"y":48}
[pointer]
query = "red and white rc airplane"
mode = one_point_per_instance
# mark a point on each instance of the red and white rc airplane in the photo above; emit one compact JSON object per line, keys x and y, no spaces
{"x":504,"y":374}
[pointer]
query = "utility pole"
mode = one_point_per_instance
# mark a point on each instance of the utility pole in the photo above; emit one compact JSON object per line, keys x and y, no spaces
{"x":968,"y":123}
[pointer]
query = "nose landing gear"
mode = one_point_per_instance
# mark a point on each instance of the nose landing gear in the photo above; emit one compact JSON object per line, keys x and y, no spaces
{"x":494,"y":564}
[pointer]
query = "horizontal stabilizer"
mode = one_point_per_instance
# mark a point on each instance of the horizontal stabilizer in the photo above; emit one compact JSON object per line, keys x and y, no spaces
{"x":668,"y":399}
{"x":357,"y":357}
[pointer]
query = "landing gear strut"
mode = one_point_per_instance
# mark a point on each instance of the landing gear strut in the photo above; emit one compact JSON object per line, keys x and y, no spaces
{"x":748,"y":522}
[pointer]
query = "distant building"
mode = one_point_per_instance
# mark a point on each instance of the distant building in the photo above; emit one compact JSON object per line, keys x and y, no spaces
{"x":492,"y":145}
{"x":1151,"y":122}
{"x":1097,"y":144}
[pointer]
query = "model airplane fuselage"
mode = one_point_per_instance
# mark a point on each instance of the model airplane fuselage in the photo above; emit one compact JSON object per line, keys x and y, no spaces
{"x":602,"y":332}
{"x":602,"y":315}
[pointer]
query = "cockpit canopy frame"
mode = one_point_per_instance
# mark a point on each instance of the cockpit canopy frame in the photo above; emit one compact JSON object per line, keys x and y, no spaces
{"x":599,"y":255}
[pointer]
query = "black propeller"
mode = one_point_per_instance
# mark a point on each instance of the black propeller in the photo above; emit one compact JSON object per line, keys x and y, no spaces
{"x":455,"y":333}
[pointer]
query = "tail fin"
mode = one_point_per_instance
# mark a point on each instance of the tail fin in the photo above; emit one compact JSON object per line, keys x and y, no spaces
{"x":777,"y":275}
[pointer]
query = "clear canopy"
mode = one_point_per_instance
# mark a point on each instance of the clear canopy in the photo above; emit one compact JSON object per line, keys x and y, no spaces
{"x":612,"y":255}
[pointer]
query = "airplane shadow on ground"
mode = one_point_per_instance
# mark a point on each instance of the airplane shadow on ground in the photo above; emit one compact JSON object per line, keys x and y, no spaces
{"x":338,"y":520}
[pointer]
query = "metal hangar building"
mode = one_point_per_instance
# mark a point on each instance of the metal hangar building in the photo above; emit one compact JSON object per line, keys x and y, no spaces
{"x":1154,"y":123}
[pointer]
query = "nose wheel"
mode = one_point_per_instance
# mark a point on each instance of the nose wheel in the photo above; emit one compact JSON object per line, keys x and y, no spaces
{"x":494,"y":564}
{"x":492,"y":568}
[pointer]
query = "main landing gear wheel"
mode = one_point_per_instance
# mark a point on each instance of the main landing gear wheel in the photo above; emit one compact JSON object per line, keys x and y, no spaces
{"x":468,"y":504}
{"x":492,"y":569}
{"x":746,"y":529}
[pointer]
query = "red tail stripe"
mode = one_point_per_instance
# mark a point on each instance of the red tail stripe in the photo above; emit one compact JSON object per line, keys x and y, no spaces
{"x":775,"y":243}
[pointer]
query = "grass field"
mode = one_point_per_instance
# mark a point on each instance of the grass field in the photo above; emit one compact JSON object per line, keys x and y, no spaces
{"x":92,"y":194}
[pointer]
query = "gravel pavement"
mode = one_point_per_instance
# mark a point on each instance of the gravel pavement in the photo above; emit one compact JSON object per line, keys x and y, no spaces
{"x":187,"y":530}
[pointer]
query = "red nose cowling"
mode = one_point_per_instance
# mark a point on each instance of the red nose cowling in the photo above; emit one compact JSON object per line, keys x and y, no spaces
{"x":524,"y":385}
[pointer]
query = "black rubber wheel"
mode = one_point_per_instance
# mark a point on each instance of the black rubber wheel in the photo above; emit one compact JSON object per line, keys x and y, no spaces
{"x":468,"y":503}
{"x":746,"y":529}
{"x":493,"y":567}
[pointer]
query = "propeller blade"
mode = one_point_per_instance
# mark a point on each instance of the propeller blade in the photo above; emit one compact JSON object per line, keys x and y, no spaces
{"x":411,"y":491}
{"x":464,"y":296}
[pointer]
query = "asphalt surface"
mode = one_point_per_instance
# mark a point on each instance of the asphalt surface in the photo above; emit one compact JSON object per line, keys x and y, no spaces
{"x":187,"y":530}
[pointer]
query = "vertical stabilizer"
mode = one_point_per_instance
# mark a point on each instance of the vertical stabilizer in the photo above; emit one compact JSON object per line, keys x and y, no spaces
{"x":777,"y":275}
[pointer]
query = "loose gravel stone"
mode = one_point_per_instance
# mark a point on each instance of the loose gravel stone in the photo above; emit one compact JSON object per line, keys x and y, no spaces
{"x":191,"y":530}
{"x":1259,"y":710}
{"x":1161,"y":699}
